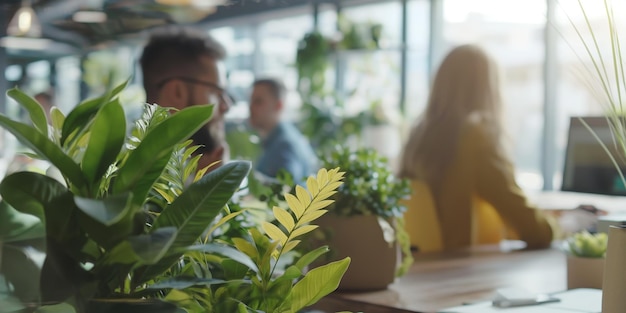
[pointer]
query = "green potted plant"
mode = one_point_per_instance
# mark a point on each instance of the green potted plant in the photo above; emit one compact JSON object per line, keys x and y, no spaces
{"x":104,"y":245}
{"x":585,"y":259}
{"x":124,"y":228}
{"x":366,"y":219}
{"x":270,"y":272}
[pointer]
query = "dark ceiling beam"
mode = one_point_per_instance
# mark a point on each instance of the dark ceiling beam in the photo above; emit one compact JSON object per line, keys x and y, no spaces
{"x":244,"y":8}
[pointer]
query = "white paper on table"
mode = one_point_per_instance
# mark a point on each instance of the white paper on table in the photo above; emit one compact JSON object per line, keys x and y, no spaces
{"x":573,"y":301}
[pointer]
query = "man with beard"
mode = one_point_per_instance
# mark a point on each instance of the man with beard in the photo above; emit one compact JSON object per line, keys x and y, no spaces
{"x":181,"y":68}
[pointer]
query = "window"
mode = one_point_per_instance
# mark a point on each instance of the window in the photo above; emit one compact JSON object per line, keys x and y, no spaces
{"x":512,"y":32}
{"x":279,"y":46}
{"x":240,"y":64}
{"x":418,"y":40}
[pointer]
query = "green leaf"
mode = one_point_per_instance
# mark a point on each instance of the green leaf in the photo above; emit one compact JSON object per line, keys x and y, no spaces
{"x":292,"y":272}
{"x":185,"y":282}
{"x":107,"y":211}
{"x":233,"y":269}
{"x":284,"y":218}
{"x":310,"y":257}
{"x":295,"y":205}
{"x":143,"y":249}
{"x":17,"y":226}
{"x":157,"y":146}
{"x":29,"y":192}
{"x":303,"y":230}
{"x":246,"y":247}
{"x":79,"y":117}
{"x":57,"y":118}
{"x":274,"y":232}
{"x":318,"y":283}
{"x":228,"y":252}
{"x":193,"y":211}
{"x":46,"y":148}
{"x":107,"y":138}
{"x":290,"y":246}
{"x":311,"y":216}
{"x":34,"y":109}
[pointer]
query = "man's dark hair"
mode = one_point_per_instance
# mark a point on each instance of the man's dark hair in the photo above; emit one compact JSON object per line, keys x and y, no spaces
{"x":175,"y":51}
{"x":275,"y":86}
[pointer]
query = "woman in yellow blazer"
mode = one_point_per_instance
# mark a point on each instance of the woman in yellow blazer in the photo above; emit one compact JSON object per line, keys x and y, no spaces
{"x":464,"y":185}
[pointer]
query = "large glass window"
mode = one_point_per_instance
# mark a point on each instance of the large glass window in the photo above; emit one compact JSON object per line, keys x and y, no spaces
{"x":369,"y":72}
{"x":418,"y":40}
{"x":279,"y":45}
{"x":240,"y":63}
{"x":512,"y":32}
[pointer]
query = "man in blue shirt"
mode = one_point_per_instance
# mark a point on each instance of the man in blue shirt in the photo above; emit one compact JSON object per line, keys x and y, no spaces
{"x":284,"y":147}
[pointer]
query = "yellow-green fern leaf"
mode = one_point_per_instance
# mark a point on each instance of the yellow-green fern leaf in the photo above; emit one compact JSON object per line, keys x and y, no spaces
{"x":294,"y":205}
{"x":311,"y":184}
{"x":322,"y":176}
{"x":318,"y":205}
{"x":311,"y":216}
{"x":303,"y":196}
{"x":290,"y":245}
{"x":275,"y":233}
{"x":284,"y":218}
{"x":303,"y":230}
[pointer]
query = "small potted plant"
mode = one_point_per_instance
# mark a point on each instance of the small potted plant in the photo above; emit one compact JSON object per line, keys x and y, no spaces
{"x":366,"y":220}
{"x":585,"y":260}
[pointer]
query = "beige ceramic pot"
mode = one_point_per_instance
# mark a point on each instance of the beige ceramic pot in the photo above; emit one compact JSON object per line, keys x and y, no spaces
{"x":584,"y":272}
{"x":361,"y":238}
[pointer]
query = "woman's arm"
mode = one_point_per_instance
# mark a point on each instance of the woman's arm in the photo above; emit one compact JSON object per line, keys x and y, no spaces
{"x":495,"y":183}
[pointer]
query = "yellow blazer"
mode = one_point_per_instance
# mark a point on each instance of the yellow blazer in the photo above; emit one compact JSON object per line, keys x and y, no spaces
{"x":479,"y":202}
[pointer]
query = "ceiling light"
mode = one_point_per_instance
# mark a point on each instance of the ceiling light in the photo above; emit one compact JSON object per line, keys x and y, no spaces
{"x":89,"y":17}
{"x":25,"y":22}
{"x":21,"y":43}
{"x":194,"y":3}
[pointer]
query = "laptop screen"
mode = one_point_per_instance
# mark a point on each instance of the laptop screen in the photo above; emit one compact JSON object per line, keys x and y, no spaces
{"x":587,"y":167}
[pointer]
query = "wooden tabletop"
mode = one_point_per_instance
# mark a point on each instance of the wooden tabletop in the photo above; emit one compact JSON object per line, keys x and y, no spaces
{"x":438,"y":281}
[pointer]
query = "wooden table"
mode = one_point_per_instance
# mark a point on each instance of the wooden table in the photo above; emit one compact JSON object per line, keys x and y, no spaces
{"x":438,"y":281}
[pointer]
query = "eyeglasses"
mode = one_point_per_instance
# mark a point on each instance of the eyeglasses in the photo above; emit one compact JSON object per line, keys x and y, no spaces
{"x":223,"y":95}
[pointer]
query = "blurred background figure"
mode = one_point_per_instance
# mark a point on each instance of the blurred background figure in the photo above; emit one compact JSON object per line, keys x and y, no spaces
{"x":284,"y":147}
{"x":463,"y":180}
{"x":46,"y":99}
{"x":180,"y":69}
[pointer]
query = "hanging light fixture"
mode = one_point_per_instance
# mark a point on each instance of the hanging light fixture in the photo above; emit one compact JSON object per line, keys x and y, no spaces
{"x":25,"y":22}
{"x":189,"y":11}
{"x":203,"y":4}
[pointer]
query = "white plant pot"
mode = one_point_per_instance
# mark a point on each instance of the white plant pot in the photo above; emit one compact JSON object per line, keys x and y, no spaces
{"x":584,"y":272}
{"x":614,"y":285}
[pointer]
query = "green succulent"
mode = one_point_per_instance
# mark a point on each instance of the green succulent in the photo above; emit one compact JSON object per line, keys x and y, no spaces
{"x":587,"y":245}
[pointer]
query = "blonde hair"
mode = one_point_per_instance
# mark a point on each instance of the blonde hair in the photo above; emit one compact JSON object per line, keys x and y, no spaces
{"x":465,"y":86}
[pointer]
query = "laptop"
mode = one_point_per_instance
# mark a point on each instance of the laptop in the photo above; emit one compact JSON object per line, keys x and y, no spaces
{"x":587,"y":167}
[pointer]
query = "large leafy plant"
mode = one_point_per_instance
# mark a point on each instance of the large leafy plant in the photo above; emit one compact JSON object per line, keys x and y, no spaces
{"x":255,"y":272}
{"x":102,"y":238}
